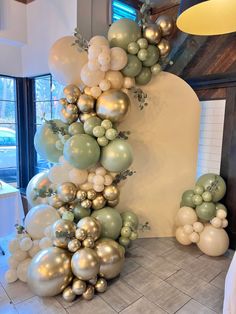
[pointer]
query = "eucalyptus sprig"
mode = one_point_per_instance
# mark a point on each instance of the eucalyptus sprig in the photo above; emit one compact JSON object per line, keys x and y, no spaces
{"x":124,"y":135}
{"x":214,"y":186}
{"x":44,"y":192}
{"x":56,"y":129}
{"x":144,"y":227}
{"x":20,"y":229}
{"x":144,"y":13}
{"x":80,"y":41}
{"x":123,"y":175}
{"x":140,"y":96}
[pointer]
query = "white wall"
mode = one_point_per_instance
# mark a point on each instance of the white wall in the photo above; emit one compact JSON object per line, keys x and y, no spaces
{"x":10,"y":60}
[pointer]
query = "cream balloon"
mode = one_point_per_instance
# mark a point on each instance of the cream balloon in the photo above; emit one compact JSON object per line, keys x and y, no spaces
{"x":186,"y":216}
{"x":91,"y":78}
{"x":182,"y":237}
{"x":78,"y":176}
{"x":198,"y":226}
{"x":40,"y":182}
{"x":66,"y":61}
{"x":119,"y":58}
{"x":38,"y":218}
{"x":213,"y":241}
{"x":99,"y":41}
{"x":11,"y":275}
{"x":22,"y":269}
{"x":59,"y":174}
{"x":194,"y":237}
{"x":115,"y":78}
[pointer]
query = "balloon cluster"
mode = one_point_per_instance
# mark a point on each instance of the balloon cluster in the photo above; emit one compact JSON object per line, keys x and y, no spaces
{"x":201,"y":218}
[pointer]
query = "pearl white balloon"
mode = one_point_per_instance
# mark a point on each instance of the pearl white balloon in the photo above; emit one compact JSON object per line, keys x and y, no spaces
{"x":93,"y":65}
{"x":98,"y":179}
{"x":45,"y":242}
{"x":115,"y":78}
{"x":104,"y":58}
{"x":220,"y":213}
{"x":38,"y":218}
{"x":216,"y":222}
{"x":99,"y":41}
{"x":59,"y":174}
{"x":96,"y":91}
{"x":35,"y":249}
{"x":188,"y":229}
{"x":66,"y":61}
{"x":213,"y":241}
{"x":22,"y":269}
{"x":40,"y":180}
{"x":13,"y":245}
{"x":90,"y":177}
{"x":48,"y":232}
{"x":108,"y":179}
{"x":78,"y":176}
{"x":129,"y":82}
{"x":26,"y":244}
{"x":119,"y":58}
{"x":20,"y":255}
{"x":186,"y":216}
{"x":198,"y":227}
{"x":182,"y":237}
{"x":12,"y":262}
{"x":91,"y":78}
{"x":93,"y":52}
{"x":86,"y":186}
{"x":105,"y":85}
{"x":98,"y":188}
{"x":224,"y":223}
{"x":11,"y":275}
{"x":194,"y":237}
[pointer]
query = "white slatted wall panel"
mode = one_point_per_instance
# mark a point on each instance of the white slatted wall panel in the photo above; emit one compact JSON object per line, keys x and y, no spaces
{"x":211,"y":136}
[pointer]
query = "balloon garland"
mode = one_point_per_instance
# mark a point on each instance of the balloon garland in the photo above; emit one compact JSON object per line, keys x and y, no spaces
{"x":74,"y":239}
{"x":201,"y":218}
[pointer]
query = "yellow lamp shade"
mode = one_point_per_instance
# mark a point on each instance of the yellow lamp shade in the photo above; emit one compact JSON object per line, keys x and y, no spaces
{"x":207,"y":17}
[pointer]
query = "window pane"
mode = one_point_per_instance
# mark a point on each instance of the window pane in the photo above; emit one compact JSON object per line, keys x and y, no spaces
{"x":7,"y":89}
{"x":43,"y":109}
{"x":121,"y":10}
{"x":57,"y":90}
{"x":56,"y":108}
{"x":7,"y":112}
{"x":42,"y":88}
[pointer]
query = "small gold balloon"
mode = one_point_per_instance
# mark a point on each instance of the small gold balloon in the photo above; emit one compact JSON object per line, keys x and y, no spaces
{"x":91,"y":195}
{"x":87,"y":91}
{"x":80,"y":234}
{"x":89,"y":293}
{"x":72,"y":93}
{"x":113,"y":105}
{"x":67,"y":192}
{"x":68,"y":294}
{"x":152,"y":32}
{"x":50,"y":272}
{"x":71,"y":108}
{"x":113,"y":203}
{"x":88,"y":242}
{"x":63,"y":101}
{"x":85,"y":264}
{"x":166,"y":24}
{"x":111,"y":192}
{"x":62,"y":231}
{"x":55,"y":201}
{"x":62,"y":210}
{"x":99,"y":202}
{"x":84,"y":116}
{"x":164,"y":47}
{"x":79,"y":286}
{"x":91,"y":226}
{"x":86,"y":103}
{"x":93,"y":280}
{"x":74,"y":245}
{"x":81,"y":195}
{"x":68,"y":117}
{"x":101,"y":285}
{"x":86,"y":204}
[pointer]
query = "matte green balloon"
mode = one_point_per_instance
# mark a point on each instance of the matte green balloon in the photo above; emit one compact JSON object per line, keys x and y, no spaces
{"x":110,"y":220}
{"x":45,"y":141}
{"x":117,"y":156}
{"x":187,"y":199}
{"x":152,"y":56}
{"x":133,"y":66}
{"x":82,"y":151}
{"x":90,"y":124}
{"x":123,"y":32}
{"x":131,"y":217}
{"x":213,"y":183}
{"x":206,"y":211}
{"x":133,"y":48}
{"x":80,"y":212}
{"x":144,"y":76}
{"x":76,"y":128}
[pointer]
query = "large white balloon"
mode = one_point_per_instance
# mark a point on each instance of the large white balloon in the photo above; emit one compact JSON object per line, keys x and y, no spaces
{"x":40,"y":182}
{"x":119,"y":58}
{"x":66,"y":61}
{"x":38,"y":218}
{"x":78,"y":176}
{"x":59,"y":174}
{"x":91,"y":78}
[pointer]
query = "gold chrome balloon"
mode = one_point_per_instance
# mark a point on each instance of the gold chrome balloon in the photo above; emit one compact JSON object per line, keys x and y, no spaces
{"x":62,"y":231}
{"x":91,"y":195}
{"x":86,"y":204}
{"x":63,"y":101}
{"x":111,"y":257}
{"x":67,"y":192}
{"x":88,"y":242}
{"x":62,"y":210}
{"x":89,"y":293}
{"x":72,"y":93}
{"x":80,"y":234}
{"x":55,"y":201}
{"x":86,"y":103}
{"x":84,"y":116}
{"x":99,"y":202}
{"x":101,"y":285}
{"x":81,"y":195}
{"x":113,"y":105}
{"x":164,"y":47}
{"x":152,"y":32}
{"x":78,"y":286}
{"x":68,"y":294}
{"x":85,"y":264}
{"x":111,"y":192}
{"x":166,"y":24}
{"x":113,"y":203}
{"x":68,"y":117}
{"x":91,"y":226}
{"x":93,"y":280}
{"x":74,"y":245}
{"x":49,"y":272}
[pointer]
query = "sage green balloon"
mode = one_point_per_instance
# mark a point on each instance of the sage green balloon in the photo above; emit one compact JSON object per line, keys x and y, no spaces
{"x":152,"y":56}
{"x":206,"y":211}
{"x":133,"y":66}
{"x":117,"y":156}
{"x":187,"y":199}
{"x":133,"y":48}
{"x":221,"y":206}
{"x":82,"y":151}
{"x":110,"y":220}
{"x":123,"y":32}
{"x":80,"y":212}
{"x":45,"y":140}
{"x":131,"y":217}
{"x":90,"y":124}
{"x":144,"y":76}
{"x":214,"y":184}
{"x":142,"y":54}
{"x":76,"y":128}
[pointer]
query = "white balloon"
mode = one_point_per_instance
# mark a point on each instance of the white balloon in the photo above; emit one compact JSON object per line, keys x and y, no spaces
{"x":108,"y":179}
{"x":86,"y":186}
{"x":188,"y":229}
{"x":98,"y":180}
{"x":104,"y":58}
{"x":78,"y":176}
{"x":119,"y":58}
{"x":224,"y":223}
{"x":20,"y":255}
{"x":22,"y":269}
{"x":198,"y":227}
{"x":11,"y":275}
{"x":93,"y":65}
{"x":115,"y":78}
{"x":26,"y":244}
{"x":40,"y":180}
{"x":90,"y":177}
{"x":13,"y":245}
{"x":35,"y":249}
{"x":65,"y":163}
{"x":182,"y":237}
{"x":98,"y":188}
{"x":91,"y":78}
{"x":59,"y":174}
{"x":38,"y":218}
{"x":99,"y":41}
{"x":216,"y":222}
{"x":12,"y":262}
{"x":93,"y":52}
{"x":105,"y":67}
{"x":194,"y":237}
{"x":220,"y":213}
{"x":96,"y":91}
{"x":129,"y":82}
{"x":48,"y":231}
{"x":101,"y":171}
{"x":45,"y":243}
{"x":66,"y":61}
{"x":105,"y":85}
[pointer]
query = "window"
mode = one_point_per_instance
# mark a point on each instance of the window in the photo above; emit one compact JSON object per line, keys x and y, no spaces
{"x":121,"y":10}
{"x":8,"y":130}
{"x":47,"y":93}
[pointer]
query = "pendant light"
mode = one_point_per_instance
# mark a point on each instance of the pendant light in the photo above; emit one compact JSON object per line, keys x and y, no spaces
{"x":207,"y":17}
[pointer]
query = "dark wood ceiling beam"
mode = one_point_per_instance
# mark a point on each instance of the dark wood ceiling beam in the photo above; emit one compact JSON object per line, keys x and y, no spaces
{"x":24,"y":1}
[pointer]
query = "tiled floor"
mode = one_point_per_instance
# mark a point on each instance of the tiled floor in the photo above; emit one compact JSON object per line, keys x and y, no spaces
{"x":160,"y":276}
